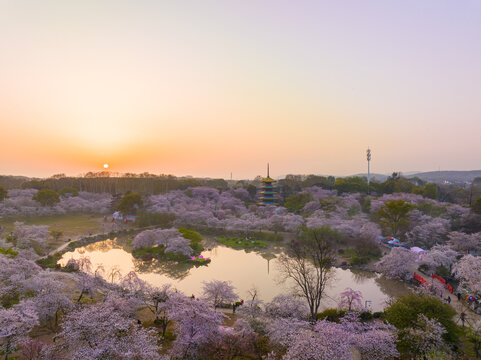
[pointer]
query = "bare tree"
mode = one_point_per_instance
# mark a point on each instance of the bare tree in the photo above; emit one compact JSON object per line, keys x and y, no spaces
{"x":308,"y":262}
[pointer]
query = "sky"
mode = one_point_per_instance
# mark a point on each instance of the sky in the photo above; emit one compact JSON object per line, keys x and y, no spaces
{"x":209,"y":88}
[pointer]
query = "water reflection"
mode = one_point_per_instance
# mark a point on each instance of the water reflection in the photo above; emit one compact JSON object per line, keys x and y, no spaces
{"x":243,"y":269}
{"x":173,"y":270}
{"x":360,"y":276}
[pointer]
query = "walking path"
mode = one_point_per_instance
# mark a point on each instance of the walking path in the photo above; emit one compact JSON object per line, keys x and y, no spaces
{"x":459,"y":306}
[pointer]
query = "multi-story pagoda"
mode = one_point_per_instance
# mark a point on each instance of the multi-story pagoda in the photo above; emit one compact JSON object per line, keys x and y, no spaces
{"x":268,"y":193}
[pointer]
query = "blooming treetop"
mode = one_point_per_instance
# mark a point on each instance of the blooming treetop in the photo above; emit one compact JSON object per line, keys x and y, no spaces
{"x":101,"y":331}
{"x":350,"y":299}
{"x":196,"y":324}
{"x":219,"y":292}
{"x":468,"y":272}
{"x":397,"y":264}
{"x":440,"y":255}
{"x":15,"y":323}
{"x":287,"y":306}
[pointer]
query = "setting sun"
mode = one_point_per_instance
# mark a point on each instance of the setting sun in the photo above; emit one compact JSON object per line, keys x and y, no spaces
{"x":106,"y":166}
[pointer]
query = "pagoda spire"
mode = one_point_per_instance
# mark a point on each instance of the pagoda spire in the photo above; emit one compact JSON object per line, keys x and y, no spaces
{"x":268,"y":193}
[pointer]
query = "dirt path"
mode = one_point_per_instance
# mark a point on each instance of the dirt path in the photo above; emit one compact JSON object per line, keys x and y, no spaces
{"x":459,"y":306}
{"x":61,"y":247}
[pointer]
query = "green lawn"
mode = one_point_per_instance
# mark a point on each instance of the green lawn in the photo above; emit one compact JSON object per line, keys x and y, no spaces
{"x":241,"y":243}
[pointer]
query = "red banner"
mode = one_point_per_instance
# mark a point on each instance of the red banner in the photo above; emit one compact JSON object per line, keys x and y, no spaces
{"x":438,"y":277}
{"x":450,"y":288}
{"x":420,"y":279}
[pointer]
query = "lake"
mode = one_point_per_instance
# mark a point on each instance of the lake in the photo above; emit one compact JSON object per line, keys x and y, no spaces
{"x":243,"y":269}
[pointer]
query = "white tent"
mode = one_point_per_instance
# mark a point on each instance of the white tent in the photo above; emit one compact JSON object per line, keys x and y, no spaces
{"x":417,"y":250}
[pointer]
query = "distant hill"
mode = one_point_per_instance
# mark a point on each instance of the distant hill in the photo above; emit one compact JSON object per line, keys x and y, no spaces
{"x":448,"y":176}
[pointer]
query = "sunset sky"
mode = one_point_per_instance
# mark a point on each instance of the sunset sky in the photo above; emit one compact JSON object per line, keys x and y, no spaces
{"x":206,"y":88}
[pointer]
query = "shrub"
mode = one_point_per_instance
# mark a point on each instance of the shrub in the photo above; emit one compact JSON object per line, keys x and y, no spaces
{"x":423,"y":268}
{"x":164,"y":220}
{"x":194,"y":238}
{"x":378,"y":315}
{"x":46,"y":197}
{"x":296,"y":202}
{"x":403,"y":313}
{"x":130,"y":203}
{"x":8,"y":252}
{"x":333,"y":315}
{"x":366,"y":315}
{"x":358,"y":260}
{"x":366,"y":206}
{"x":3,"y":193}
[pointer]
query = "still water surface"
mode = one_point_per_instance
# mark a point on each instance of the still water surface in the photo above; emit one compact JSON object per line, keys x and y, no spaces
{"x":243,"y":269}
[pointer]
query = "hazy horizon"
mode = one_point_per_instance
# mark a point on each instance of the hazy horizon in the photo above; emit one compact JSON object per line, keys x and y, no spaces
{"x":207,"y":88}
{"x":275,"y":176}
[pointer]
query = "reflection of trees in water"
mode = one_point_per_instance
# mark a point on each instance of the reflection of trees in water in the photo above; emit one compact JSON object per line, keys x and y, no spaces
{"x":360,"y":276}
{"x":391,"y":288}
{"x":103,"y":246}
{"x":172,"y":269}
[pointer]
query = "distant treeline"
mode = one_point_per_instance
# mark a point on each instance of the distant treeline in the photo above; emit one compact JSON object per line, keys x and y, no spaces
{"x":454,"y":193}
{"x":142,"y":184}
{"x":12,"y":182}
{"x":150,"y":184}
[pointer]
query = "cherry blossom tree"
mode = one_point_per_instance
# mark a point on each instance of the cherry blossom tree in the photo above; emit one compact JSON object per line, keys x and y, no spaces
{"x":468,"y":272}
{"x":20,"y":202}
{"x":432,"y":232}
{"x":397,"y":264}
{"x":132,"y":284}
{"x":440,"y":255}
{"x":433,"y":288}
{"x":31,"y":349}
{"x":49,"y":296}
{"x":196,"y":324}
{"x":350,"y":299}
{"x":160,"y":302}
{"x":28,"y":236}
{"x":171,"y":239}
{"x":282,"y":331}
{"x":370,"y":232}
{"x":101,"y":331}
{"x":13,"y":275}
{"x":149,"y":238}
{"x":326,"y":341}
{"x":178,"y":245}
{"x":86,"y":284}
{"x":219,"y":292}
{"x":253,"y":312}
{"x":15,"y":323}
{"x":373,"y":339}
{"x":233,"y":342}
{"x":287,"y":306}
{"x":463,"y":242}
{"x":427,"y":334}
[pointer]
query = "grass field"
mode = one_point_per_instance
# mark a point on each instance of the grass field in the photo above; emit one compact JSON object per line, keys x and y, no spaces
{"x":71,"y":226}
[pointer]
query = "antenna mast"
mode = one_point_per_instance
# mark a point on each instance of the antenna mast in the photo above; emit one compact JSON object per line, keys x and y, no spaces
{"x":368,"y":153}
